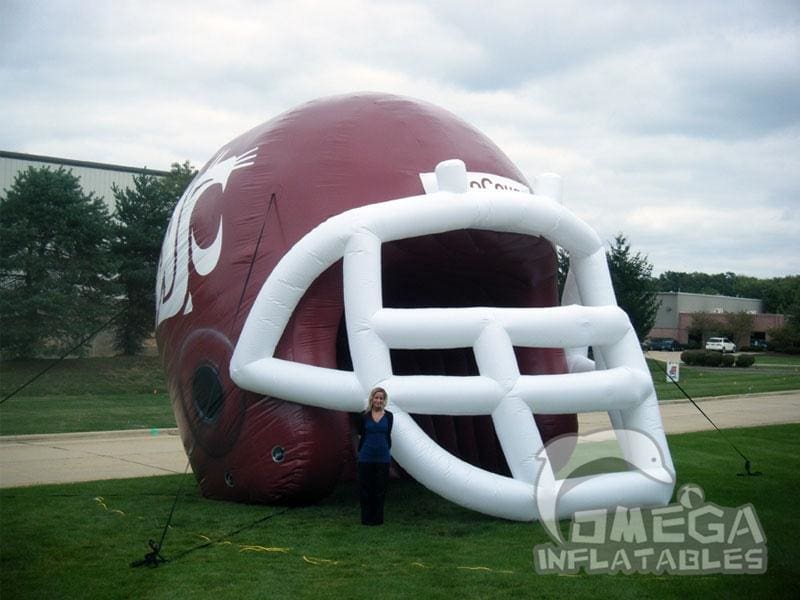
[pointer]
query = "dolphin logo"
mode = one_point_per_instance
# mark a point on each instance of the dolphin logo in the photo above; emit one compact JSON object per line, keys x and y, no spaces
{"x":640,"y":452}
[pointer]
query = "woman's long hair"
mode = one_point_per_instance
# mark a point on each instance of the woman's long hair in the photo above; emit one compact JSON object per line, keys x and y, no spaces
{"x":372,"y":397}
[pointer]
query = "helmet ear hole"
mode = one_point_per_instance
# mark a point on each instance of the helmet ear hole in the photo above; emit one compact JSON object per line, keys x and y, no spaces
{"x":207,"y":393}
{"x":211,"y":405}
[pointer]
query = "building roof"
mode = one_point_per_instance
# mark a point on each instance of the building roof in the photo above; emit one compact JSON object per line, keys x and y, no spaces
{"x":709,"y":295}
{"x":70,"y":162}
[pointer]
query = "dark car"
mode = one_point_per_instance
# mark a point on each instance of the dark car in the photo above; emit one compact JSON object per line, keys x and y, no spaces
{"x":664,"y":345}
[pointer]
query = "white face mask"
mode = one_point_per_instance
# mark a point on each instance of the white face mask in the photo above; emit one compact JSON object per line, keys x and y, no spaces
{"x":618,"y":381}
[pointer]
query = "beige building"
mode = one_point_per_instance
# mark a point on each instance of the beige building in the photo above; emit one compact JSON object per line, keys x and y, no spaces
{"x":675,"y":315}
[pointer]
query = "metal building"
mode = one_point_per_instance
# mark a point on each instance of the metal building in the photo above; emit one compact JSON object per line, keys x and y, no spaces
{"x":94,"y":177}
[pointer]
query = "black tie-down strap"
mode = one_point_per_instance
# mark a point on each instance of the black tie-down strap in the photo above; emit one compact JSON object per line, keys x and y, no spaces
{"x":151,"y":559}
{"x":748,"y":472}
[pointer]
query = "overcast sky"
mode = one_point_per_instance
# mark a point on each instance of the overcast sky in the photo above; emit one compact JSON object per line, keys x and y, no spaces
{"x":675,"y":123}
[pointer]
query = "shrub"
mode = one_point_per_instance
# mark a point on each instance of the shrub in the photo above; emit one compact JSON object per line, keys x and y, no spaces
{"x":693,"y":357}
{"x":704,"y":358}
{"x":745,"y":360}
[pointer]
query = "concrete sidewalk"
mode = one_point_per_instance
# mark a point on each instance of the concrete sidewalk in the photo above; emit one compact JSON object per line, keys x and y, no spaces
{"x":681,"y":416}
{"x":71,"y":457}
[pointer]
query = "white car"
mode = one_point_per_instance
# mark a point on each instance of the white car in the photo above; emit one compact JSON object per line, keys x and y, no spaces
{"x":721,"y":344}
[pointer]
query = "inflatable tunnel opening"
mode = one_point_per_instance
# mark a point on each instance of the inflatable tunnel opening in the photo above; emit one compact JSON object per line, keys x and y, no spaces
{"x":463,"y":269}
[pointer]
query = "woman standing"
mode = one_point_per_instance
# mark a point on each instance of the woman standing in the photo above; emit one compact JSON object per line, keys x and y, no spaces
{"x":374,"y":456}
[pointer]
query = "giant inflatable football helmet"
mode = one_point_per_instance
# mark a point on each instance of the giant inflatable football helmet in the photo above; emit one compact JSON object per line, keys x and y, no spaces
{"x":373,"y":240}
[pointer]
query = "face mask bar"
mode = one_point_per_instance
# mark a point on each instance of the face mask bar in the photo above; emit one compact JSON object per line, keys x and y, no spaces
{"x":618,"y":382}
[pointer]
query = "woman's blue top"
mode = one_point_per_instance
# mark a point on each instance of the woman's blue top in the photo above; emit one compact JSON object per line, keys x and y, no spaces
{"x":375,"y":444}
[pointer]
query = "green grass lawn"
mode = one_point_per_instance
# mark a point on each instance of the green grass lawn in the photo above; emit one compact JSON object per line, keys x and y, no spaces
{"x":777,"y":359}
{"x":100,"y":376}
{"x":77,"y":541}
{"x":700,"y":382}
{"x":86,"y":412}
{"x":91,"y":394}
{"x":96,"y":394}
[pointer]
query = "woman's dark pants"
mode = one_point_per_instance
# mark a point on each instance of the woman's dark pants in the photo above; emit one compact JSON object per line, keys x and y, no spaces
{"x":372,"y":480}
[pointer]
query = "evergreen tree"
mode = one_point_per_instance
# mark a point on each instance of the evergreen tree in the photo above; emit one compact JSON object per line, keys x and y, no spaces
{"x":141,"y":218}
{"x":55,"y":268}
{"x":177,"y":180}
{"x":631,"y":275}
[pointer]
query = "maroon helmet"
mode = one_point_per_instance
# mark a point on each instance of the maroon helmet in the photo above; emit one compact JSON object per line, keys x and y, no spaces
{"x":262,"y":194}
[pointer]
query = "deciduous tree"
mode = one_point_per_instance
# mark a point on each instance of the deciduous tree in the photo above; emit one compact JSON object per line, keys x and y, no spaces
{"x":704,"y":325}
{"x":740,"y":325}
{"x":787,"y":338}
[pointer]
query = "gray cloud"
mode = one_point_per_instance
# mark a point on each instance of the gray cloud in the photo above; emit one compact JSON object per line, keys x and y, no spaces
{"x":675,"y":123}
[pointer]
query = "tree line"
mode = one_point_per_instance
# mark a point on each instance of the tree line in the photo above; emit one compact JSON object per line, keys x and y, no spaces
{"x":780,"y":294}
{"x":68,"y":265}
{"x":637,"y":294}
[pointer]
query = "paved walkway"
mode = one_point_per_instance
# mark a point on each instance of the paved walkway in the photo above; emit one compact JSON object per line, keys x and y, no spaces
{"x":69,"y":457}
{"x":681,"y":416}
